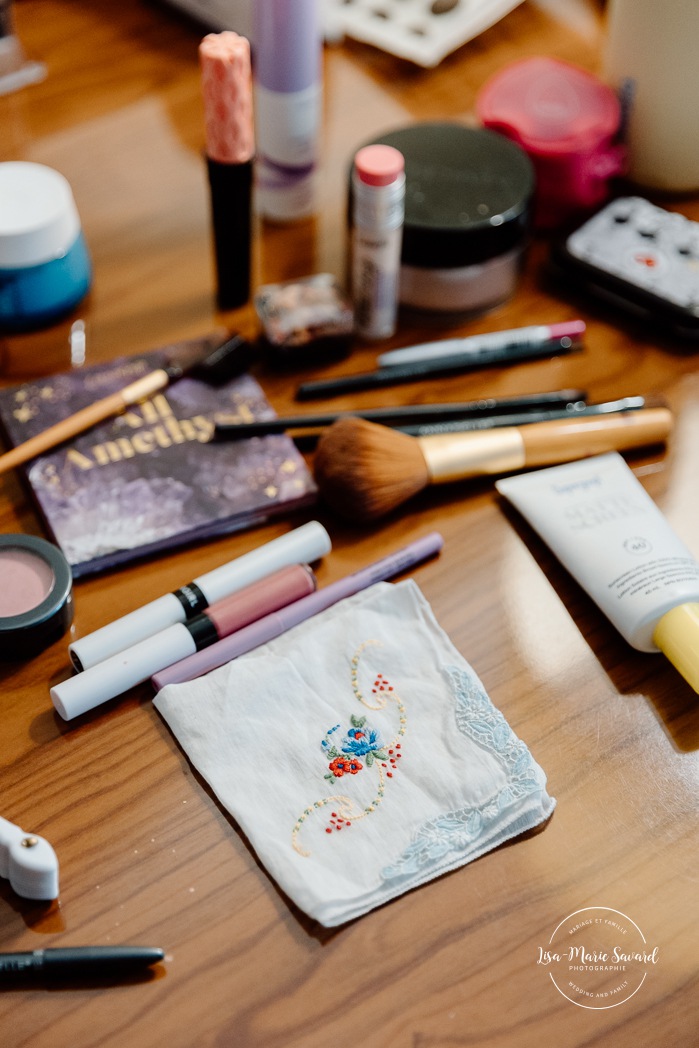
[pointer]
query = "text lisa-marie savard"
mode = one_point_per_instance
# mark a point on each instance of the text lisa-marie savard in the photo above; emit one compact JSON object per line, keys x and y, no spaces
{"x":615,"y":959}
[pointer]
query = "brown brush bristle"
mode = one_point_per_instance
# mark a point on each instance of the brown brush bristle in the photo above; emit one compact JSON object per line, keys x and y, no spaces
{"x":364,"y":470}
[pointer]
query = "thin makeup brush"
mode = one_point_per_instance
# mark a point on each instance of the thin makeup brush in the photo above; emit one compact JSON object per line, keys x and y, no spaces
{"x":364,"y":470}
{"x":214,"y":363}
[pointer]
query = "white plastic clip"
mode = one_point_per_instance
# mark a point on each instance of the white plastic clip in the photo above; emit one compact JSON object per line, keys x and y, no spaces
{"x":29,"y":862}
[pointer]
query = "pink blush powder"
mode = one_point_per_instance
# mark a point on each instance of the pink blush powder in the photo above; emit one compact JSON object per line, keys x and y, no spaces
{"x":25,"y":581}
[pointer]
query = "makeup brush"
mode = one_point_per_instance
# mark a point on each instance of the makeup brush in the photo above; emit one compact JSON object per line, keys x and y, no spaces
{"x":364,"y":470}
{"x":214,"y":362}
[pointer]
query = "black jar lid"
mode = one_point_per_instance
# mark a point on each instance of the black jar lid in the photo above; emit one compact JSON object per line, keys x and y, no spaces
{"x":468,"y":194}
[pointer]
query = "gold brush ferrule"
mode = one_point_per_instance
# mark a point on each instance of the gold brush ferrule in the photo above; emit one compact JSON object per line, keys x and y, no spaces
{"x":456,"y":456}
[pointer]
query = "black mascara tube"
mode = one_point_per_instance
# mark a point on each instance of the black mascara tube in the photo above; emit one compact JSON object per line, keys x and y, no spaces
{"x":231,"y":213}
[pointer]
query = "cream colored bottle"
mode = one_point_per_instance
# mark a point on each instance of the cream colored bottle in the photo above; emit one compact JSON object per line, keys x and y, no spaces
{"x":651,"y":57}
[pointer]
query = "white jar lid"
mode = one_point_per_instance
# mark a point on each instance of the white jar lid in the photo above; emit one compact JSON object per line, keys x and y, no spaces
{"x":38,"y":217}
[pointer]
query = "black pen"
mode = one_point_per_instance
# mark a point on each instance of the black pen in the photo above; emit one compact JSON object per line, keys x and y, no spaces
{"x":452,"y":364}
{"x":412,"y":414}
{"x":94,"y":961}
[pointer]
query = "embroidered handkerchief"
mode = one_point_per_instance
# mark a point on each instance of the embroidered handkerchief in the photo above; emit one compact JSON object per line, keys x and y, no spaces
{"x":359,"y":753}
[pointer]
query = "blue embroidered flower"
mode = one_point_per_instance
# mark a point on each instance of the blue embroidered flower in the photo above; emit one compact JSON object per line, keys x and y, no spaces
{"x":361,"y":740}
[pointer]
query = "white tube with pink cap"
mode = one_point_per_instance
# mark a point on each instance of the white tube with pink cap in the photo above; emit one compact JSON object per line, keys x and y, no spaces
{"x":378,"y":211}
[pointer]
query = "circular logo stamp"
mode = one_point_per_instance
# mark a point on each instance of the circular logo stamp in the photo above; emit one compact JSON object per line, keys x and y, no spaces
{"x":638,"y":546}
{"x":597,"y":957}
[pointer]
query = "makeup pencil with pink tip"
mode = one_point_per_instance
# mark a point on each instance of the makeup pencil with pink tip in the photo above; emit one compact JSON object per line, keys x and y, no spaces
{"x":226,"y":80}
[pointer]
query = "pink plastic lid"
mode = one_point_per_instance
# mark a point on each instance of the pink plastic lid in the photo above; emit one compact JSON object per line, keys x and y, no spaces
{"x":549,"y":107}
{"x":379,"y":165}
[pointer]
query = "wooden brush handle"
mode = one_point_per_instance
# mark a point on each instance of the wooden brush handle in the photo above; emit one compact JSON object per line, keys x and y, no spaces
{"x":503,"y":449}
{"x":102,"y":409}
{"x":546,"y":443}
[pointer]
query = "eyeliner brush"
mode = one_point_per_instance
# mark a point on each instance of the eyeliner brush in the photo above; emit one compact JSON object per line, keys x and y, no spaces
{"x":415,"y":414}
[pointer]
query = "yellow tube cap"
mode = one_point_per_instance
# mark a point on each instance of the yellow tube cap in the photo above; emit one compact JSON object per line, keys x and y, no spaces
{"x":677,"y":636}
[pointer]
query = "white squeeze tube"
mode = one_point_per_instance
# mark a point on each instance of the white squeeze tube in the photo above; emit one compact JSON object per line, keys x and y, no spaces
{"x":606,"y":530}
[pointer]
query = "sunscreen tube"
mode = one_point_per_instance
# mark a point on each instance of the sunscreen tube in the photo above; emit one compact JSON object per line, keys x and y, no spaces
{"x":616,"y":543}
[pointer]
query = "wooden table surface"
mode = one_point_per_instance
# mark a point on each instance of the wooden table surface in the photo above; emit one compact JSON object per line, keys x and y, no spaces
{"x":147,"y":854}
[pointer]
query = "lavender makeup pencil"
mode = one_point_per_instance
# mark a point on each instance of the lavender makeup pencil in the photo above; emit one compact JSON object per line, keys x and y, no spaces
{"x":279,"y":622}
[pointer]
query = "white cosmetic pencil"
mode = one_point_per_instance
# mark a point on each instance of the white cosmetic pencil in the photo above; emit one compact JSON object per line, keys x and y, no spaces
{"x":516,"y":338}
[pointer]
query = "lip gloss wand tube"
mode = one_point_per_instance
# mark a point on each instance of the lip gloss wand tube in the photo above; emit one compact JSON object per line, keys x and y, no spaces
{"x":122,"y":671}
{"x":306,"y":543}
{"x":226,"y":81}
{"x":378,"y":194}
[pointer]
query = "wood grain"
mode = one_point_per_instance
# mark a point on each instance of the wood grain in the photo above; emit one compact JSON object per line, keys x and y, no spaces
{"x":147,"y":854}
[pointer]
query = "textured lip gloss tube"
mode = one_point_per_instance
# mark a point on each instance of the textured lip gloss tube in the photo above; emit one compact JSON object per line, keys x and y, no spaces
{"x":226,"y":80}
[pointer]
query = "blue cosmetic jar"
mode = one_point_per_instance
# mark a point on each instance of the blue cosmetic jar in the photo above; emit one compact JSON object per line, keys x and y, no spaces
{"x":44,"y":263}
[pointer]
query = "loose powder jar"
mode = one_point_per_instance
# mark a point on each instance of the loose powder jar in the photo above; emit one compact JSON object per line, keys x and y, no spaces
{"x":468,"y":207}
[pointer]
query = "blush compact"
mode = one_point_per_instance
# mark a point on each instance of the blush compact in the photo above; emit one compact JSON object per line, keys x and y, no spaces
{"x":36,"y":595}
